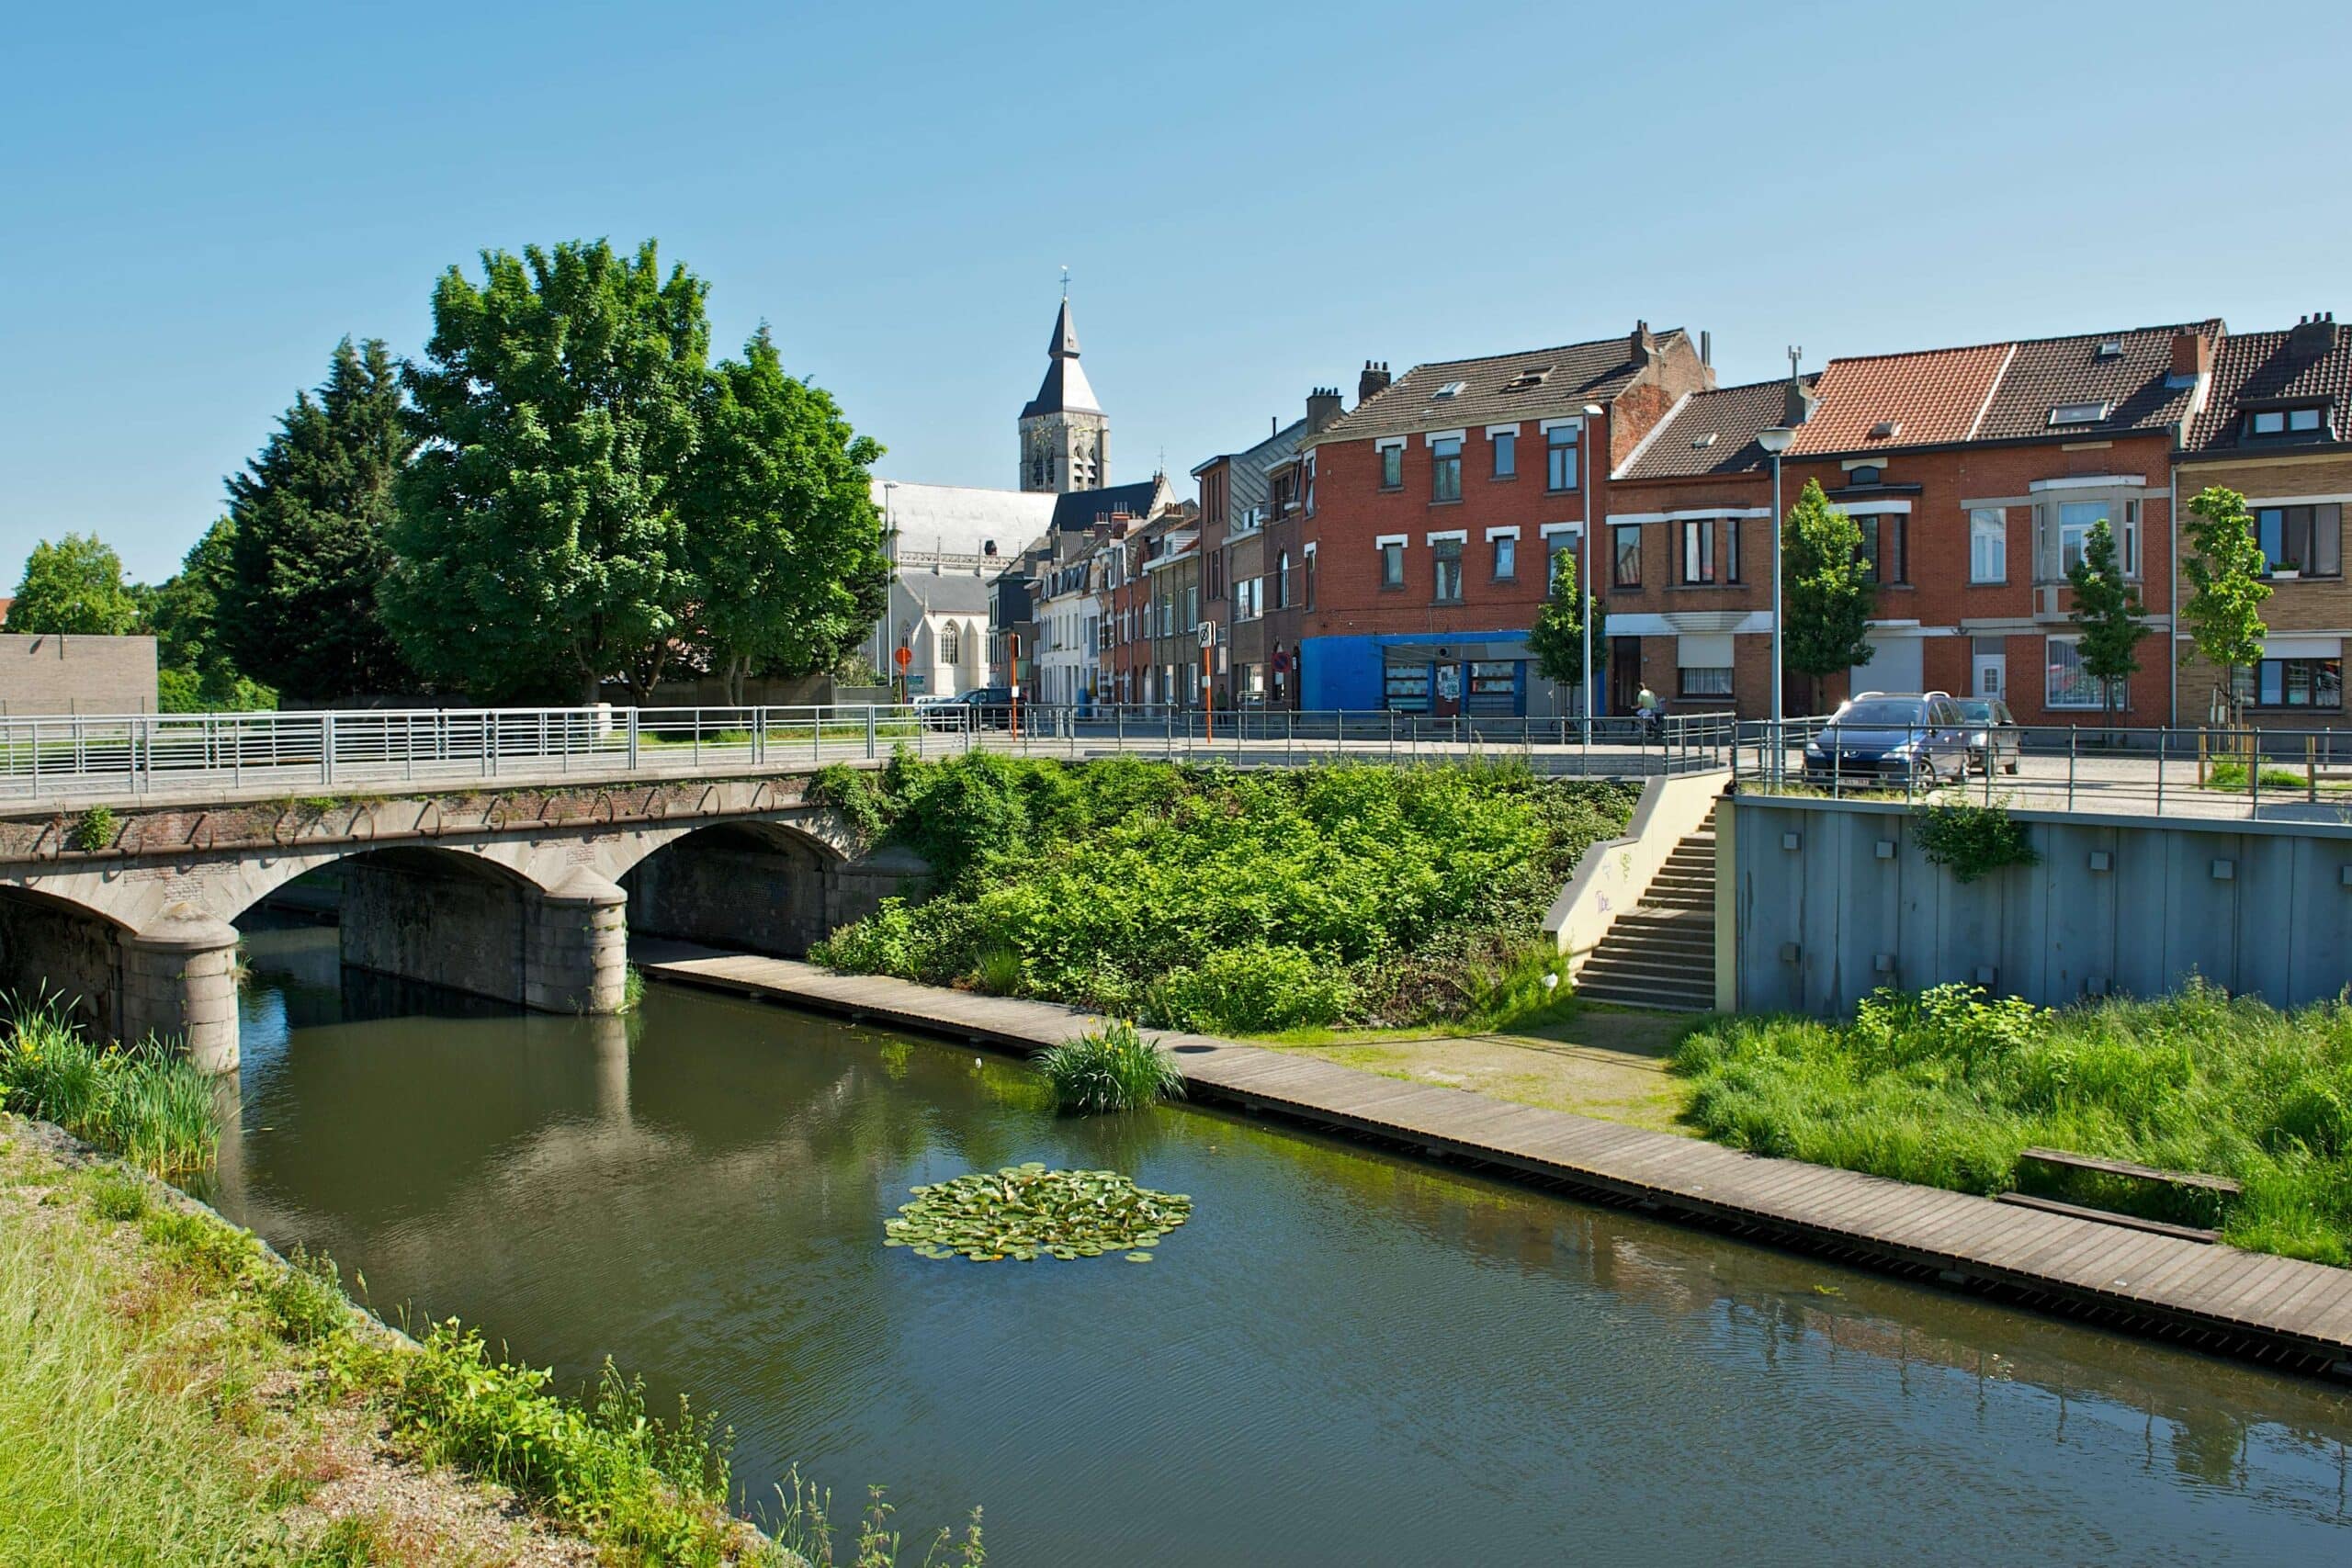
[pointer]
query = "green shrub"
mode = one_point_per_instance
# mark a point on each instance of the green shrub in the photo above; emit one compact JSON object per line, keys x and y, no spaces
{"x":1973,"y":840}
{"x":93,"y":831}
{"x":117,"y":1195}
{"x":1946,"y":1087}
{"x":1253,"y":989}
{"x":1000,"y":972}
{"x":1217,"y":898}
{"x":304,"y":1300}
{"x":1109,"y":1069}
{"x":145,"y":1103}
{"x":2232,"y":776}
{"x":658,"y":1489}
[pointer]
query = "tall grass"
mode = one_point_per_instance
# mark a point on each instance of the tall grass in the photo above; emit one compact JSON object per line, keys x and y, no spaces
{"x":110,"y":1449}
{"x":1109,"y":1069}
{"x":1945,"y":1089}
{"x":145,"y":1103}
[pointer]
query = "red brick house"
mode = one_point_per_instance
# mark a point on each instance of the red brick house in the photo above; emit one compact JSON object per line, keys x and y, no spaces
{"x":1407,"y":547}
{"x":1687,"y":553}
{"x":1975,"y":474}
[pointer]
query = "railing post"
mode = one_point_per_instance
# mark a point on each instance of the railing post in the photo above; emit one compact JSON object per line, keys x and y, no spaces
{"x":869,"y":732}
{"x":2073,"y":751}
{"x":326,"y":747}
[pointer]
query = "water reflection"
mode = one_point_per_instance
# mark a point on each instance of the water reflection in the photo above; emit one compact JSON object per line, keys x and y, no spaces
{"x":1343,"y":1359}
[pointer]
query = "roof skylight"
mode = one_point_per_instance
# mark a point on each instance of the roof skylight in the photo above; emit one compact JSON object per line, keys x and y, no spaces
{"x":2078,"y":413}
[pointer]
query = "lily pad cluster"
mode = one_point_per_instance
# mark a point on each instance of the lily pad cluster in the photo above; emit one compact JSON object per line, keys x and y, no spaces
{"x":1026,"y":1212}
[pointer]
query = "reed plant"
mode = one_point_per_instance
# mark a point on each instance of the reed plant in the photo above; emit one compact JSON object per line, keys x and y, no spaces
{"x":145,"y":1103}
{"x":1109,"y":1069}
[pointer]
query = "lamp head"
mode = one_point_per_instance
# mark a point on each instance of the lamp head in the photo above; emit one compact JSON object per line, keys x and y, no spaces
{"x":1776,"y":439}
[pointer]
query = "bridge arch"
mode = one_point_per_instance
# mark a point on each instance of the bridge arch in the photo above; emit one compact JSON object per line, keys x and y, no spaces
{"x":772,"y":885}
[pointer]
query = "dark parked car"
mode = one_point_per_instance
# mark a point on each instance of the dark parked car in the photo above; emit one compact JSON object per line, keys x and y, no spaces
{"x":983,"y":707}
{"x":1881,"y":738}
{"x":1994,"y":737}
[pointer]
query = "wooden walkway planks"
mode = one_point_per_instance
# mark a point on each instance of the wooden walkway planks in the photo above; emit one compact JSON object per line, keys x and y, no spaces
{"x":2278,"y":1302}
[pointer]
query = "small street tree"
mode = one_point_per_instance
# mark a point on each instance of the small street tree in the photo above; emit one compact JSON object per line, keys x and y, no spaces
{"x":537,"y":542}
{"x":1826,"y":591}
{"x":73,"y":587}
{"x":780,"y":523}
{"x":2224,"y":565}
{"x":298,"y":600}
{"x":2106,"y":615}
{"x":1557,"y":637}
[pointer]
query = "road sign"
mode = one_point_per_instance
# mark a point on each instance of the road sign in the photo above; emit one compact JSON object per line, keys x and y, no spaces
{"x":1208,"y":633}
{"x":904,"y":657}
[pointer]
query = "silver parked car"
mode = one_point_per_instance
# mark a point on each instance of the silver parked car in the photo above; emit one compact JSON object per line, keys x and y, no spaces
{"x":1994,"y":737}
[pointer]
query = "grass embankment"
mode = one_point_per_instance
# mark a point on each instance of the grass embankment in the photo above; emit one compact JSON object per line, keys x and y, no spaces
{"x":171,"y":1391}
{"x":1946,"y":1087}
{"x":1234,"y":902}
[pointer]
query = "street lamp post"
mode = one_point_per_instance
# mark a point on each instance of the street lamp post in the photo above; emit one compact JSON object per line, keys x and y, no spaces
{"x":1592,"y":412}
{"x":1776,"y":441}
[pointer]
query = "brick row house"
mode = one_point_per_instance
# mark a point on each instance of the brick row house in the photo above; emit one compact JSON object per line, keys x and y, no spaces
{"x":2274,"y":431}
{"x":1241,"y":493}
{"x":1976,"y":475}
{"x":1686,"y":557}
{"x":1407,"y":548}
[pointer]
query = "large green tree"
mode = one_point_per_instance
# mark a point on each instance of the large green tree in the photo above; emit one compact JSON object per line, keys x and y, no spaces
{"x":195,"y":670}
{"x":780,"y":523}
{"x":73,"y":586}
{"x":1827,"y":591}
{"x":2106,"y":615}
{"x":2224,"y":565}
{"x":539,"y":544}
{"x":311,"y":513}
{"x":1557,"y":637}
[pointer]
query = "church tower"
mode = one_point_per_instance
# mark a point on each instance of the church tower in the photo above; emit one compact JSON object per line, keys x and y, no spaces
{"x":1065,"y":435}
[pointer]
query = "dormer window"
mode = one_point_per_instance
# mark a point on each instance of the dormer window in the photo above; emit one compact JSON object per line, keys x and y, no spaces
{"x":2274,"y":423}
{"x":2078,"y":414}
{"x":1525,"y":381}
{"x":1886,"y":430}
{"x":1451,"y":389}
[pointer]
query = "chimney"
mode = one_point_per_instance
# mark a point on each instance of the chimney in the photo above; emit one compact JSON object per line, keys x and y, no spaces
{"x":1323,"y":406}
{"x":1707,"y":348}
{"x":1640,"y":347}
{"x":2311,"y":337}
{"x":2192,"y":356}
{"x":1372,"y":382}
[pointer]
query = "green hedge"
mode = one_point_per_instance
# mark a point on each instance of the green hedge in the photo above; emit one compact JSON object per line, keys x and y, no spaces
{"x":1213,"y":899}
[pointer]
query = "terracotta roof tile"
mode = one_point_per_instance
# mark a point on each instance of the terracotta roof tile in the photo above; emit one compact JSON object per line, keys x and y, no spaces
{"x":1929,"y":397}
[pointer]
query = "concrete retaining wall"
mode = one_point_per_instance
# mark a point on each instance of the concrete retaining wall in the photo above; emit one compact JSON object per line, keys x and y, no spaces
{"x":1820,"y":902}
{"x":1612,"y":874}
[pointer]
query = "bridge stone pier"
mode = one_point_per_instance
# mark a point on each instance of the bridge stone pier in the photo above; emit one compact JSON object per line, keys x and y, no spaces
{"x":527,"y":896}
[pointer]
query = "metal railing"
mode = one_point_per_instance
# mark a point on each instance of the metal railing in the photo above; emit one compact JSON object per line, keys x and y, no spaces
{"x":2297,"y":775}
{"x":189,"y":756}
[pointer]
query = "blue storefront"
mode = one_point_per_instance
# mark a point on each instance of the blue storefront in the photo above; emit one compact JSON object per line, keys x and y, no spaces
{"x":1438,"y":674}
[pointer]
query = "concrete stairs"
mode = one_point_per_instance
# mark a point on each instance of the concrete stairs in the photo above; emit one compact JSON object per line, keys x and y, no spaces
{"x":1661,"y":953}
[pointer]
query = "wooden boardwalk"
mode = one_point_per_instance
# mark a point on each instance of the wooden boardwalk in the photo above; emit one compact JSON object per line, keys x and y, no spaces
{"x":2273,"y":1309}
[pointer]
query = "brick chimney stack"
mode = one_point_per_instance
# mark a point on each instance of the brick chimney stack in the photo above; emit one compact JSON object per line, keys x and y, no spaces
{"x":2311,"y":337}
{"x":1640,"y":345}
{"x":1323,"y":406}
{"x":1372,"y":382}
{"x":2192,"y":356}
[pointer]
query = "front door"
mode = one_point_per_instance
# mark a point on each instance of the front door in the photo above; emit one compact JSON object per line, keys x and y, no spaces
{"x":1445,"y":690}
{"x":1625,"y":673}
{"x":1991,"y":675}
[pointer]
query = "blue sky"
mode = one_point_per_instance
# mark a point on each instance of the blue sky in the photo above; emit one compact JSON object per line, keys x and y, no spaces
{"x":1252,"y":199}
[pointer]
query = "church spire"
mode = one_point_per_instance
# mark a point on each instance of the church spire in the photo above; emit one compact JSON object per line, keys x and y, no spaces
{"x":1065,"y":343}
{"x":1065,"y":435}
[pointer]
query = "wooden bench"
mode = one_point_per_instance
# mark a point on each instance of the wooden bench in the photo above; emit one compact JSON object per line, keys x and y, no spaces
{"x":2106,"y":1217}
{"x":2219,"y":1186}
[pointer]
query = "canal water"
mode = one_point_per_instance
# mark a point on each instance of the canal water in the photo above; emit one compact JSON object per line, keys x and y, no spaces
{"x":1343,"y":1359}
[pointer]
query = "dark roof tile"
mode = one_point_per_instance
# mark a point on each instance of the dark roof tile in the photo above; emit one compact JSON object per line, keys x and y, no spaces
{"x":2256,"y":368}
{"x":1496,"y":390}
{"x":1712,"y":432}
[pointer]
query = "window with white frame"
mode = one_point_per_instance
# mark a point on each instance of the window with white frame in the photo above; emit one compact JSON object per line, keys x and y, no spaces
{"x":1989,"y":545}
{"x":2070,"y":685}
{"x":1506,"y":446}
{"x":1505,"y":557}
{"x":1392,"y":563}
{"x":1282,"y":581}
{"x":1392,"y":465}
{"x":951,"y":644}
{"x":2066,"y":528}
{"x":1445,"y":469}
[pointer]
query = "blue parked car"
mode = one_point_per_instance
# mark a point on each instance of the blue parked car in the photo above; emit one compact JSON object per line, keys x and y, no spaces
{"x":1882,"y":740}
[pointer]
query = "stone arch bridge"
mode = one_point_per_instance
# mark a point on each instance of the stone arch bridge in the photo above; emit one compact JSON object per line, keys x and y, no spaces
{"x":527,"y":896}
